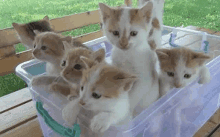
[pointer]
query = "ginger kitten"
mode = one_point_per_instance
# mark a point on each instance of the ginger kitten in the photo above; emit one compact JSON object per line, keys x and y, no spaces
{"x":48,"y":47}
{"x":181,"y":66}
{"x":125,"y":28}
{"x":72,"y":68}
{"x":104,"y":90}
{"x":26,"y":31}
{"x":72,"y":64}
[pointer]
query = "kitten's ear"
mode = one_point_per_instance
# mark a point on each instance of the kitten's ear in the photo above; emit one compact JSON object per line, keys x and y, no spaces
{"x":46,"y":18}
{"x":162,"y":53}
{"x":67,"y":38}
{"x":15,"y":26}
{"x":67,"y":46}
{"x":88,"y":62}
{"x":99,"y":55}
{"x":36,"y":32}
{"x":146,"y":10}
{"x":77,"y":43}
{"x":125,"y":79}
{"x":200,"y":57}
{"x":105,"y":10}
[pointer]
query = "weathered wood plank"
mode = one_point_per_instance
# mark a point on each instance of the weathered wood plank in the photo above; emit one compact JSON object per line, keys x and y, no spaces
{"x":14,"y":99}
{"x":11,"y":62}
{"x":14,"y":117}
{"x":216,"y":117}
{"x":29,"y":129}
{"x":75,"y":21}
{"x":216,"y":133}
{"x":9,"y":37}
{"x":7,"y":51}
{"x":205,"y":129}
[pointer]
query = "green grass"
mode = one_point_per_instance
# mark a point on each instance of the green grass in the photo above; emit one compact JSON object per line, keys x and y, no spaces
{"x":202,"y":13}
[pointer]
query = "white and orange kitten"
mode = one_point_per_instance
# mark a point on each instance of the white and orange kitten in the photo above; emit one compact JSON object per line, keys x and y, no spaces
{"x":105,"y":90}
{"x":125,"y":28}
{"x":48,"y":47}
{"x":72,"y":67}
{"x":181,"y":66}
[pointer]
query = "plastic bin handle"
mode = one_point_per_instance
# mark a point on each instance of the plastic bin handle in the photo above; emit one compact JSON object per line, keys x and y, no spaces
{"x":66,"y":132}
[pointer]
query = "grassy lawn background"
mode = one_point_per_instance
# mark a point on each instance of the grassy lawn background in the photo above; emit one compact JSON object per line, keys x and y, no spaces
{"x":202,"y":13}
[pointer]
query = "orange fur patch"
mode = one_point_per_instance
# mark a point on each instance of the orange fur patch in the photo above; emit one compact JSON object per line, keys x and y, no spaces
{"x":152,"y":44}
{"x":114,"y":19}
{"x":155,"y":23}
{"x":135,"y":18}
{"x":151,"y":32}
{"x":124,"y":40}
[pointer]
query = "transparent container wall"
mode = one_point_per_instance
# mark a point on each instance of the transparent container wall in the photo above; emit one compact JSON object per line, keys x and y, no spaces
{"x":179,"y":113}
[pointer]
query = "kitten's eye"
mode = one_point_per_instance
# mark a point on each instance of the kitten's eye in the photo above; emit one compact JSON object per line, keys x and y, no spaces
{"x":96,"y":96}
{"x":171,"y":74}
{"x":34,"y":46}
{"x":187,"y":76}
{"x":77,"y":67}
{"x":64,"y":63}
{"x":82,"y":88}
{"x":116,"y":33}
{"x":133,"y":33}
{"x":43,"y":47}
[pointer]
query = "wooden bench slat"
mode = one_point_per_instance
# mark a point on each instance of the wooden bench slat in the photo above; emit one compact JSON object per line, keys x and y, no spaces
{"x":29,"y":129}
{"x":205,"y":129}
{"x":9,"y":37}
{"x":7,"y":51}
{"x":216,"y":117}
{"x":14,"y":117}
{"x":216,"y":133}
{"x":75,"y":21}
{"x":10,"y":63}
{"x":14,"y":99}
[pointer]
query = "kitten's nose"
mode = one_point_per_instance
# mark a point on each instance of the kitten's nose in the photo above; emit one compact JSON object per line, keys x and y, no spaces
{"x":177,"y":85}
{"x":82,"y":102}
{"x":123,"y":44}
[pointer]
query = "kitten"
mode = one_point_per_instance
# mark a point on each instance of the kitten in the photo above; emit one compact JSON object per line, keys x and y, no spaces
{"x":125,"y":28}
{"x":181,"y":66}
{"x":48,"y":47}
{"x":26,"y":31}
{"x":155,"y":26}
{"x":104,"y":89}
{"x":72,"y":67}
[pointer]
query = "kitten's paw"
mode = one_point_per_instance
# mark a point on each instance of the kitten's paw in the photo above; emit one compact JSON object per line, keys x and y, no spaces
{"x":100,"y":122}
{"x":204,"y":80}
{"x":53,"y":87}
{"x":71,"y":97}
{"x":70,"y":112}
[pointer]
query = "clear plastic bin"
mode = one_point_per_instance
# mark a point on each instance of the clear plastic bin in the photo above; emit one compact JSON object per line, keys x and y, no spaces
{"x":194,"y":104}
